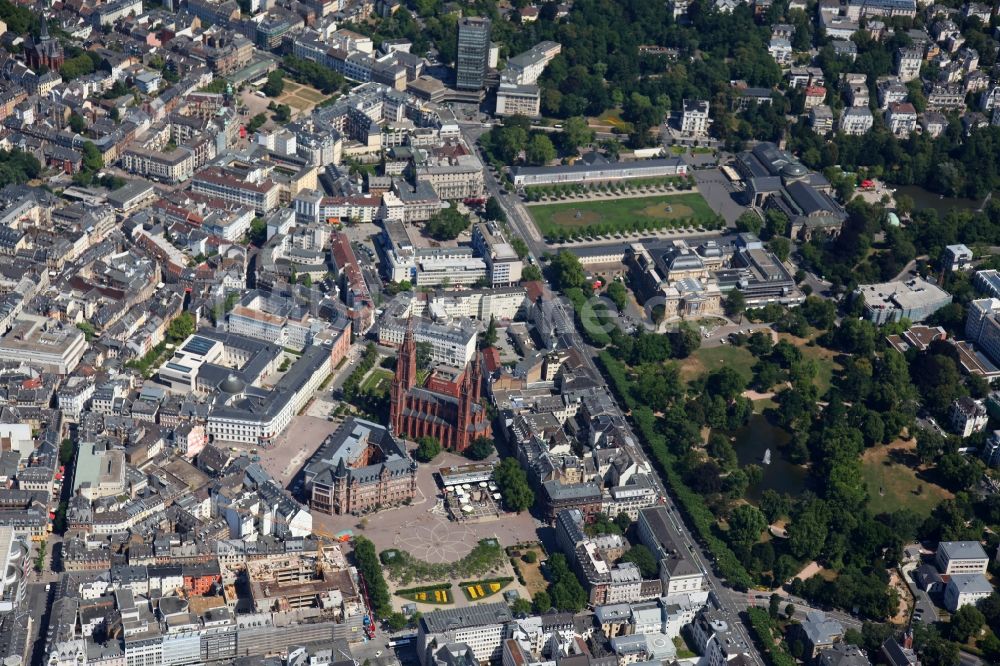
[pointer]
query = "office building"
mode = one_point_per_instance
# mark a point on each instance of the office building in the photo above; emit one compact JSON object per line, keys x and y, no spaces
{"x":961,"y":557}
{"x":678,"y":571}
{"x":914,"y":299}
{"x":472,"y":54}
{"x":482,"y":628}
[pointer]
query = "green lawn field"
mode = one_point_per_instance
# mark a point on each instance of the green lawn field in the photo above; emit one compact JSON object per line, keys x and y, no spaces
{"x":622,"y":214}
{"x":895,"y":485}
{"x":707,"y":359}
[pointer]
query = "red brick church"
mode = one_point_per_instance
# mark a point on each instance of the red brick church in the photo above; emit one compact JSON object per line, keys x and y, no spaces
{"x":446,"y":407}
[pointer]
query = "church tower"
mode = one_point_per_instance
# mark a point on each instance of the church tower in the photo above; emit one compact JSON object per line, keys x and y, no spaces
{"x":404,"y":380}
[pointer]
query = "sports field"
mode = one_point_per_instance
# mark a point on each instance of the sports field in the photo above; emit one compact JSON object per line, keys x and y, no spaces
{"x":622,"y":214}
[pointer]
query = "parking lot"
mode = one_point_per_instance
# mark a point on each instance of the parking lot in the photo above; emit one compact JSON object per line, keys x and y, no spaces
{"x":294,"y":447}
{"x":718,"y":192}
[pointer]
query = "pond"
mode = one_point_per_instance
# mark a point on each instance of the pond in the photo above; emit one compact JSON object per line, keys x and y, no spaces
{"x":926,"y":199}
{"x":751,"y":442}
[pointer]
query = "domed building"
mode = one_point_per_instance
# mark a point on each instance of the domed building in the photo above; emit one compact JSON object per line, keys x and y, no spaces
{"x":776,"y":180}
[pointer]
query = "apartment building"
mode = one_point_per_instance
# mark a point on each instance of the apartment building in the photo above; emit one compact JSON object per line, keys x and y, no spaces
{"x":452,"y":169}
{"x":678,"y":571}
{"x":901,"y":118}
{"x":856,"y":121}
{"x":908,"y":61}
{"x":503,"y":266}
{"x":174,"y":167}
{"x":525,"y":68}
{"x":452,"y":345}
{"x":254,"y":190}
{"x":518,"y":99}
{"x":694,"y":117}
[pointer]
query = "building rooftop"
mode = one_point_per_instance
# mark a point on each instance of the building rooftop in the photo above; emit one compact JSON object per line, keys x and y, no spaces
{"x":450,"y":619}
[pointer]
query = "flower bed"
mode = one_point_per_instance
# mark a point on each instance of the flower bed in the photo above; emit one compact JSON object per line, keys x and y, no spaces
{"x":430,"y":594}
{"x":480,"y":589}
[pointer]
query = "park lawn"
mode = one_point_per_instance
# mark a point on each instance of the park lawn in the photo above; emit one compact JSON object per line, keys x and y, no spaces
{"x":534,"y":580}
{"x":898,"y":481}
{"x":826,"y":364}
{"x":707,"y":359}
{"x":622,"y":214}
{"x":377,"y":381}
{"x":611,"y":118}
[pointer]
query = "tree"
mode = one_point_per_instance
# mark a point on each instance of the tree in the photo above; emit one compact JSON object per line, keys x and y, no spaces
{"x":530,"y":557}
{"x":306,"y":280}
{"x":397,"y":621}
{"x":531,"y":273}
{"x":567,"y":272}
{"x":618,"y":294}
{"x":623,"y":521}
{"x":490,"y":337}
{"x":258,"y":232}
{"x":275,"y":84}
{"x":965,"y":622}
{"x":424,"y":350}
{"x":774,"y":606}
{"x":446,"y":224}
{"x":92,"y":160}
{"x":512,"y":482}
{"x":481,"y":448}
{"x":576,"y":133}
{"x":685,"y":340}
{"x":781,"y":247}
{"x":643,"y":558}
{"x":790,"y":611}
{"x":521,"y":606}
{"x":256,"y":122}
{"x":371,"y":570}
{"x":493,"y":211}
{"x":735,"y":303}
{"x":77,"y":123}
{"x":745,"y":526}
{"x":181,"y":327}
{"x":540,"y":150}
{"x":282,"y":113}
{"x":749,"y":222}
{"x":541,"y":602}
{"x":428,"y":449}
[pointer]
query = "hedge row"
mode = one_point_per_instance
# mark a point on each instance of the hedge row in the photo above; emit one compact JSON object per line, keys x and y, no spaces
{"x":425,"y":588}
{"x":589,"y":318}
{"x":763,"y":627}
{"x":617,"y":374}
{"x":693,"y":504}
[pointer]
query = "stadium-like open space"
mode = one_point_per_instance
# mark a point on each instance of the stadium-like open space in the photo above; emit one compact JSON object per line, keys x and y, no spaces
{"x":626,"y":214}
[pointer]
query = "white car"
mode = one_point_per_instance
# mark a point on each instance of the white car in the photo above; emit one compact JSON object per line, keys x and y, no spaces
{"x":378,"y":654}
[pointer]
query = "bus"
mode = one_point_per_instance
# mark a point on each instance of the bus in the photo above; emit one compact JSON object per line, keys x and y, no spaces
{"x":730,"y":173}
{"x":402,"y":640}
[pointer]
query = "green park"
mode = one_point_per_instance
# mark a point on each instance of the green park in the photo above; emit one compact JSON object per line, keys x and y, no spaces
{"x":622,"y":215}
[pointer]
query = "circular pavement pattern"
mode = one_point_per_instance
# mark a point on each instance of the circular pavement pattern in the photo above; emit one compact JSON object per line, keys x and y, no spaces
{"x":439,"y":543}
